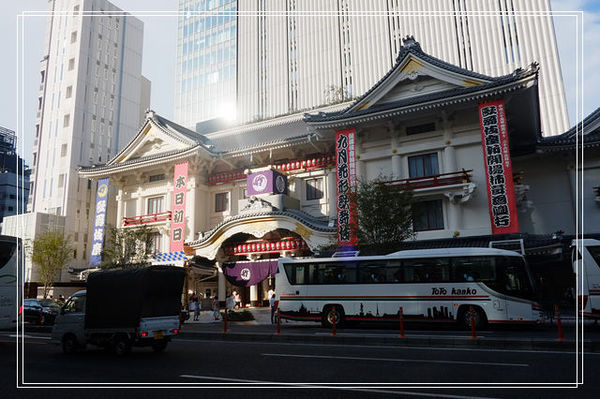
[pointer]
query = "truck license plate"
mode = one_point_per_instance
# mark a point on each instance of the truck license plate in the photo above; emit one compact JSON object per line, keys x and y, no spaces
{"x":159,"y":334}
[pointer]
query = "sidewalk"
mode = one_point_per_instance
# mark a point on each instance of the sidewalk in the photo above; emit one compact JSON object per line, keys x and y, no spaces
{"x":261,"y":330}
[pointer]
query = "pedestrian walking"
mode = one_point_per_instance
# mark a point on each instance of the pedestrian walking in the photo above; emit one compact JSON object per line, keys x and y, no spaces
{"x":273,"y":304}
{"x":192,"y":307}
{"x":230,"y":302}
{"x":238,"y":300}
{"x":197,"y":310}
{"x":215,"y":308}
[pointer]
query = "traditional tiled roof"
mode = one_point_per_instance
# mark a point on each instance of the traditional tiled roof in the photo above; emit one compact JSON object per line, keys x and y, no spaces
{"x":280,"y":130}
{"x":303,"y":217}
{"x":100,"y":167}
{"x":458,"y":94}
{"x":167,"y":124}
{"x":585,"y":133}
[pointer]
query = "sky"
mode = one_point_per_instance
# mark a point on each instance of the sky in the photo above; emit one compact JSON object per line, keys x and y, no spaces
{"x":159,"y":59}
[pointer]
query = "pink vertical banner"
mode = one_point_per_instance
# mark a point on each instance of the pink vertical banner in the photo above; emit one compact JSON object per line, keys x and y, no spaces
{"x":346,"y":181}
{"x":180,"y":178}
{"x":498,"y":168}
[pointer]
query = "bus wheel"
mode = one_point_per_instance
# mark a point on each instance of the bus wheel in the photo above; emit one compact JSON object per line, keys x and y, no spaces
{"x":464,"y":317}
{"x":329,"y":315}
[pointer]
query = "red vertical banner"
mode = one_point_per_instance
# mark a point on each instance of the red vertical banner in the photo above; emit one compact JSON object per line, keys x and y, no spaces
{"x":498,"y":168}
{"x":180,"y":178}
{"x":346,"y":181}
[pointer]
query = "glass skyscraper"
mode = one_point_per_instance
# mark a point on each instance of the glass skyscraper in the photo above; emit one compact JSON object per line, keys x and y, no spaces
{"x":253,"y":60}
{"x":206,"y":61}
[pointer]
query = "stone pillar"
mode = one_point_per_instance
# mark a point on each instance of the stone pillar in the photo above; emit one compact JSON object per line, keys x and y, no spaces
{"x":449,"y":152}
{"x":190,"y":205}
{"x":453,"y":210}
{"x":120,"y":202}
{"x":396,"y":160}
{"x":222,"y":294}
{"x":139,"y":204}
{"x":332,"y":193}
{"x":396,"y":167}
{"x":449,"y":158}
{"x":254,"y":295}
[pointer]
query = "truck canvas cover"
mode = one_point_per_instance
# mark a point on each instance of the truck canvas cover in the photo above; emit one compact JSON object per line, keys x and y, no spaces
{"x":120,"y":298}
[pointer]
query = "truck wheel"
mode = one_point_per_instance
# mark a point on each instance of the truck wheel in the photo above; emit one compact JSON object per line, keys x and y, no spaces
{"x":159,"y":345}
{"x":329,"y":315}
{"x":121,"y":345}
{"x":69,"y":344}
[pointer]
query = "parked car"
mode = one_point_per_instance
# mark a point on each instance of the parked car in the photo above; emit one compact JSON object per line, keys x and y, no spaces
{"x":40,"y":311}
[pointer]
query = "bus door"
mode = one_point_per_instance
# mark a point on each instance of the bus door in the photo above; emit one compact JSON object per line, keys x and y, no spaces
{"x":515,"y":282}
{"x":471,"y":275}
{"x":589,"y":298}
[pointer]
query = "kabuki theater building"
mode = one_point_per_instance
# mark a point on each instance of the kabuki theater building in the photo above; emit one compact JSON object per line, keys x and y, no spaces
{"x":234,"y":201}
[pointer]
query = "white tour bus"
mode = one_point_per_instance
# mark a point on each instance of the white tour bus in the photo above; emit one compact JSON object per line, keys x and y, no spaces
{"x":588,"y":250}
{"x":9,"y":247}
{"x":435,"y":285}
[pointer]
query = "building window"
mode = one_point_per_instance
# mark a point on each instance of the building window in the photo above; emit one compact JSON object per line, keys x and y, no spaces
{"x":73,"y":37}
{"x":156,"y":242}
{"x":66,"y":120}
{"x":63,"y":150}
{"x":71,"y":64}
{"x":423,"y":165}
{"x":221,"y":202}
{"x":314,"y":189}
{"x":69,"y":92}
{"x":428,"y":215}
{"x":155,"y":205}
{"x":156,"y":177}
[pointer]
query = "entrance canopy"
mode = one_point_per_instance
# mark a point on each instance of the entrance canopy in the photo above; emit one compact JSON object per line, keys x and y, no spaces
{"x":245,"y":274}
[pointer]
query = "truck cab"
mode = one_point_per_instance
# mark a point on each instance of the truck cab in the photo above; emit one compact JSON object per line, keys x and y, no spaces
{"x":69,"y":325}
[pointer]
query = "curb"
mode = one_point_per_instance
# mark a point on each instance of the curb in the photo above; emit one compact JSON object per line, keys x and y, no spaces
{"x":340,"y":339}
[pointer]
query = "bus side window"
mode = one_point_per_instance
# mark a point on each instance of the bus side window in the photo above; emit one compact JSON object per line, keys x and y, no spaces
{"x":372,"y":272}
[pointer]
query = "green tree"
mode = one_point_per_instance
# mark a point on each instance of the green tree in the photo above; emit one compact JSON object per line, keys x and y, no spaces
{"x":50,"y":251}
{"x":384,"y":213}
{"x":127,"y":248}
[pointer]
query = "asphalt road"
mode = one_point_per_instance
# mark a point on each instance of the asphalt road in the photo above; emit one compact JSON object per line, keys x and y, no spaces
{"x":294,"y":370}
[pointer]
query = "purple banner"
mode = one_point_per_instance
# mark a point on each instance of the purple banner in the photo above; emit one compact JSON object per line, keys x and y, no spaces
{"x":245,"y":274}
{"x":99,"y":220}
{"x":266,"y":182}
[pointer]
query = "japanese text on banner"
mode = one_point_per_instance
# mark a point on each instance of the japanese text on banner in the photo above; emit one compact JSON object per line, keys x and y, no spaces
{"x":180,"y":178}
{"x":496,"y":154}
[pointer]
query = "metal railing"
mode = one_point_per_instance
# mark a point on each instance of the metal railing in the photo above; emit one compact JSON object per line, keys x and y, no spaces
{"x":145,"y":219}
{"x":442,"y":179}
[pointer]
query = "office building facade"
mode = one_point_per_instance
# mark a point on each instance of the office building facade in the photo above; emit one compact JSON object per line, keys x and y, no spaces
{"x":263,"y":58}
{"x":90,"y":101}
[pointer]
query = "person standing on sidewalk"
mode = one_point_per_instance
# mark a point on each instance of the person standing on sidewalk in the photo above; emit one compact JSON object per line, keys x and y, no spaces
{"x":193,"y":307}
{"x":273,"y":304}
{"x":215,"y":307}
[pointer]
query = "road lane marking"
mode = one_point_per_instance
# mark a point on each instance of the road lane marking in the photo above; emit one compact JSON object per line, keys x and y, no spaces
{"x":273,"y":384}
{"x":437,"y":348}
{"x":29,"y":336}
{"x":396,"y":335}
{"x":383,"y":359}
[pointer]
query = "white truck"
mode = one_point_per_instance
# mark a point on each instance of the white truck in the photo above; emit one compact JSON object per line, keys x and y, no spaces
{"x":586,"y":265}
{"x":122,"y":308}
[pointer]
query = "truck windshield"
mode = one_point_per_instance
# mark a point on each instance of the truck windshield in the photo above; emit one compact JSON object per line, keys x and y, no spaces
{"x":75,"y":305}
